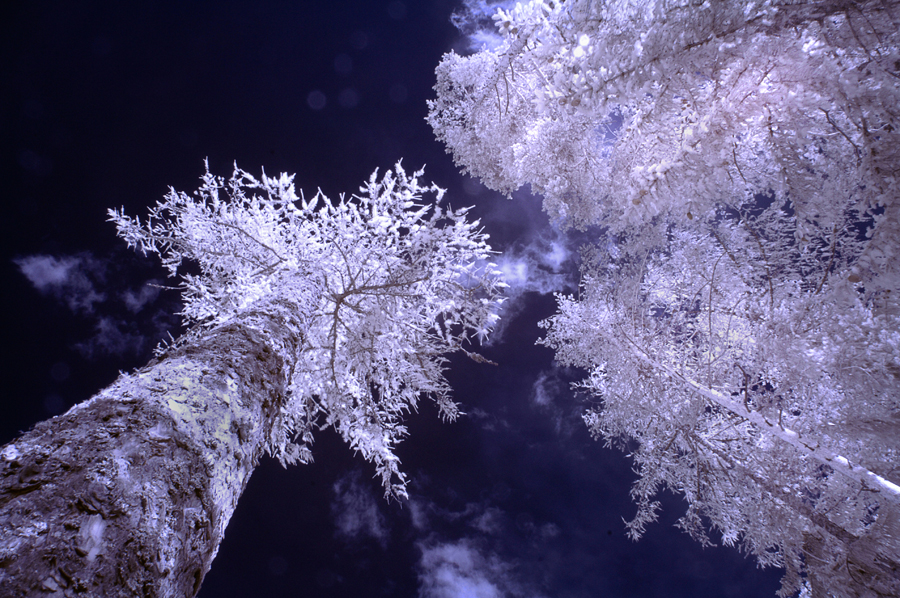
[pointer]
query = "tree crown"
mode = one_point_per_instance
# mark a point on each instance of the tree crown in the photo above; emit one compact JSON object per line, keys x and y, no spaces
{"x":375,"y":287}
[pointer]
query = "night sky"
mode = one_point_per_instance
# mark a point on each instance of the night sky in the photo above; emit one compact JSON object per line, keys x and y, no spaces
{"x":107,"y":104}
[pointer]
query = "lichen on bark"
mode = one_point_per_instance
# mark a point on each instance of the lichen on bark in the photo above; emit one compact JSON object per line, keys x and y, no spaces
{"x":129,"y":493}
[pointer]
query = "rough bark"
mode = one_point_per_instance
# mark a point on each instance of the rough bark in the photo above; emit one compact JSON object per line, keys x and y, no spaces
{"x":129,"y":493}
{"x":866,"y":567}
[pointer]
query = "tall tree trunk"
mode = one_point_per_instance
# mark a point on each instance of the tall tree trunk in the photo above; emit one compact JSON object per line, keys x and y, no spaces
{"x":129,"y":493}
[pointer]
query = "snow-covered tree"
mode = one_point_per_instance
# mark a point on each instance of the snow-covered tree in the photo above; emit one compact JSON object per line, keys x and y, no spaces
{"x":306,"y":314}
{"x":775,"y":415}
{"x":618,"y":111}
{"x":739,"y":314}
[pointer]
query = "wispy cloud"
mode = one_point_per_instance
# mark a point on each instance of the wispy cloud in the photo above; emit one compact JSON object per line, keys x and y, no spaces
{"x":70,"y":279}
{"x":548,"y":388}
{"x":356,"y":511}
{"x":112,"y":336}
{"x":136,"y":299}
{"x":93,"y":288}
{"x":546,"y":263}
{"x":488,"y":421}
{"x":475,"y":561}
{"x":474,"y":21}
{"x":540,"y":266}
{"x":543,"y":390}
{"x":461,"y":570}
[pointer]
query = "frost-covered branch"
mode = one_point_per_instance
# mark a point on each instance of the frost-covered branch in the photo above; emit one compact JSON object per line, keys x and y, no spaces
{"x":377,"y":286}
{"x":679,"y":130}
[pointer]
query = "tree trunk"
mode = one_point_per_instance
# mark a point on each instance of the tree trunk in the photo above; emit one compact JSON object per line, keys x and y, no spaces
{"x":129,"y":493}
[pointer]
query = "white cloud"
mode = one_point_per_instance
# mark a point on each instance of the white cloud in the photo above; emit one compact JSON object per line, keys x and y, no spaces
{"x":474,"y":21}
{"x":460,"y":570}
{"x":112,"y":337}
{"x":557,"y":255}
{"x":135,"y":300}
{"x":67,"y":278}
{"x":543,"y":390}
{"x":545,"y":264}
{"x":356,"y":511}
{"x":475,"y":515}
{"x":546,"y":388}
{"x":489,"y":521}
{"x":75,"y":281}
{"x":488,"y":421}
{"x":479,"y":562}
{"x":46,"y":272}
{"x":418,"y":514}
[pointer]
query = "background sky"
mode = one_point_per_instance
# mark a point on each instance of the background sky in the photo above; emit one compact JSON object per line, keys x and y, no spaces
{"x":107,"y":104}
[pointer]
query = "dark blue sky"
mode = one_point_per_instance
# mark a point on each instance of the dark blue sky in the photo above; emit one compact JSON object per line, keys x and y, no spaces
{"x":108,"y":103}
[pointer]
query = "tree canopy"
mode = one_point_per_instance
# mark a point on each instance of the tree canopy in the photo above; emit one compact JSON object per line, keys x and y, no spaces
{"x":375,"y":289}
{"x":738,"y":314}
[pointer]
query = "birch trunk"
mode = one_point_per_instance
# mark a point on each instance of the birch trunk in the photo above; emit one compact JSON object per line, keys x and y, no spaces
{"x":129,"y":493}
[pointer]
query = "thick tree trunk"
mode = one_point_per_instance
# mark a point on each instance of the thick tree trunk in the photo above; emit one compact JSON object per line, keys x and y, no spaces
{"x":129,"y":493}
{"x":866,"y":567}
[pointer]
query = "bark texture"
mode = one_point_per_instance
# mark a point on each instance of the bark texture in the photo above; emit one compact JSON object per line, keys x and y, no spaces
{"x":129,"y":493}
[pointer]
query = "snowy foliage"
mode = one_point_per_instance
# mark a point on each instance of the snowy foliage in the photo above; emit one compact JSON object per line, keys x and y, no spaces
{"x":377,"y":287}
{"x":740,"y":318}
{"x":741,"y":400}
{"x":619,"y":111}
